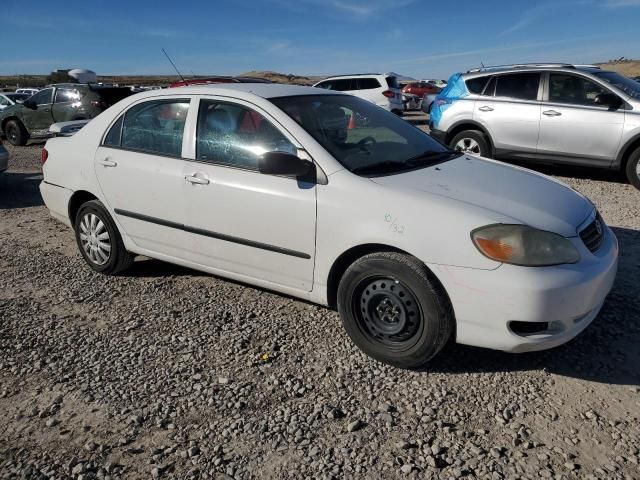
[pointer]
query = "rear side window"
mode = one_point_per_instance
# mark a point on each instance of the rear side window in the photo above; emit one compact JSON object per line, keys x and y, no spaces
{"x":156,"y":126}
{"x":235,"y":135}
{"x":476,"y":85}
{"x":113,"y":137}
{"x":368,"y":83}
{"x":340,"y":85}
{"x":65,"y":95}
{"x":523,"y":86}
{"x":392,"y":82}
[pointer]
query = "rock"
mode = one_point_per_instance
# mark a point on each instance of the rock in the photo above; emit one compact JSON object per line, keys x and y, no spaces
{"x":355,"y":425}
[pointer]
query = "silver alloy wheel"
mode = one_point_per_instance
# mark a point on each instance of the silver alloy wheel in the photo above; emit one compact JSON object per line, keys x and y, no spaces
{"x":95,"y":239}
{"x":468,"y":145}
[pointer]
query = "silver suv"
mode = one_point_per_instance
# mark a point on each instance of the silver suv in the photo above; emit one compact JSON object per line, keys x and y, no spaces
{"x":547,"y":113}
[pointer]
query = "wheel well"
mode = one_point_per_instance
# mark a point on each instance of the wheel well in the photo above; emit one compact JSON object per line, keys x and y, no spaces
{"x":77,"y":199}
{"x":468,"y":126}
{"x":629,"y":149}
{"x":345,"y":260}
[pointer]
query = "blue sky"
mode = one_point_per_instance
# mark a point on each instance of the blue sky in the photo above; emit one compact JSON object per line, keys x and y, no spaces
{"x":424,"y":39}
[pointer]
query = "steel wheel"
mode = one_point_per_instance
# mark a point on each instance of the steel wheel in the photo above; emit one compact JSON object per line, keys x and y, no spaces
{"x":94,"y":238}
{"x":387,"y":312}
{"x":12,"y":134}
{"x":468,"y":145}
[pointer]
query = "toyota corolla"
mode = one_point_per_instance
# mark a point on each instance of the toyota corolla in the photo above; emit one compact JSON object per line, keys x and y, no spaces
{"x":329,"y":198}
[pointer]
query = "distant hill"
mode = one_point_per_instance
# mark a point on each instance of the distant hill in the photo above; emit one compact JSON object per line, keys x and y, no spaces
{"x":629,"y":68}
{"x":282,"y":78}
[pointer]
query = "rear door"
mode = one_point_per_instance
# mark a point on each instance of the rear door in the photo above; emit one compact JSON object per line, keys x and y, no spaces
{"x":510,"y":111}
{"x":240,"y":221}
{"x":139,"y":167}
{"x":65,"y":104}
{"x":39,"y":117}
{"x":573,"y":126}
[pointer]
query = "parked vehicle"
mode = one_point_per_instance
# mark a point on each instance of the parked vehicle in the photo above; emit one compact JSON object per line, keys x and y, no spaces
{"x":214,"y":80}
{"x":278,"y":186}
{"x":28,"y":91}
{"x":4,"y":158}
{"x":381,"y":90}
{"x":410,"y":102}
{"x":438,"y":83}
{"x":8,"y":99}
{"x":421,"y":88}
{"x":58,"y":103}
{"x":427,"y":102}
{"x":547,"y":113}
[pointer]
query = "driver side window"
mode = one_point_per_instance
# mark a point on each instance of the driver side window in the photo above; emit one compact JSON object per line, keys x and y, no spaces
{"x":234,"y":135}
{"x":573,"y":90}
{"x":43,"y":97}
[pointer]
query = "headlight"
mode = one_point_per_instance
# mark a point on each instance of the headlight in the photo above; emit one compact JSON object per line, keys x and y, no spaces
{"x":523,"y":245}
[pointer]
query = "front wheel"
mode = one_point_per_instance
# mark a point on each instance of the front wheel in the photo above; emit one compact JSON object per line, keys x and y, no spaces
{"x":394,"y":310}
{"x":471,"y":141}
{"x":16,"y":133}
{"x":633,"y":169}
{"x":99,"y":241}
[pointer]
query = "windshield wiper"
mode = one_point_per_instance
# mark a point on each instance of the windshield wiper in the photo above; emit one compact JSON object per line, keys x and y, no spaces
{"x":430,"y":157}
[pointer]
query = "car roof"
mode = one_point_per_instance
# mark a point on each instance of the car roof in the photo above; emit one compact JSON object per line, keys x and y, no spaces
{"x":482,"y":72}
{"x":242,"y":90}
{"x":338,"y":77}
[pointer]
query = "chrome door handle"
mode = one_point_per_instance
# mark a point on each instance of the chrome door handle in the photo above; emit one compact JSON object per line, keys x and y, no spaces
{"x":551,"y":113}
{"x":197,"y":180}
{"x":486,"y":109}
{"x":105,"y":162}
{"x":46,"y":109}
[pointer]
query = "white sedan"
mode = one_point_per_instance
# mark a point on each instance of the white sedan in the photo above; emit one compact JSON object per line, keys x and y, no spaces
{"x":326,"y":197}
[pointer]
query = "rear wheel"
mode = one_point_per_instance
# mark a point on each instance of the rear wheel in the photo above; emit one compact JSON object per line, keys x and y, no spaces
{"x":394,"y":310}
{"x":99,"y":241}
{"x":16,"y":133}
{"x":471,"y":141}
{"x":633,"y":168}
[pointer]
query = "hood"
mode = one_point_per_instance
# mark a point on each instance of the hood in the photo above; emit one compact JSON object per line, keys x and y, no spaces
{"x":527,"y":197}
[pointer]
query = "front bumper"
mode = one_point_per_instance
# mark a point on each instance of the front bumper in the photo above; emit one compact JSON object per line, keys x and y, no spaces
{"x":439,"y":135}
{"x":568,"y":297}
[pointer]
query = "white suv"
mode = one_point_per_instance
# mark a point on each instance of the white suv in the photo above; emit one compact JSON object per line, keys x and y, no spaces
{"x":381,"y":90}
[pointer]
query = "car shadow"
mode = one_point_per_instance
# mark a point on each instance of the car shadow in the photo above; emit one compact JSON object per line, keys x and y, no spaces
{"x":20,"y":190}
{"x":606,"y":352}
{"x":145,"y":267}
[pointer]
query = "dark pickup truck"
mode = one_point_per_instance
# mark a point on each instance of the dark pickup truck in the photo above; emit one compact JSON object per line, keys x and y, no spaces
{"x":57,"y":103}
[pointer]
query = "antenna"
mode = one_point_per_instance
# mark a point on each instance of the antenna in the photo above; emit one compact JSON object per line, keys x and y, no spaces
{"x":174,"y":66}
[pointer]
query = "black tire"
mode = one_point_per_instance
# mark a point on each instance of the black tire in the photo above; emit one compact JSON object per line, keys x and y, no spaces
{"x":633,"y":168}
{"x":475,"y":141}
{"x":394,"y":310}
{"x":16,"y":133}
{"x":92,"y":247}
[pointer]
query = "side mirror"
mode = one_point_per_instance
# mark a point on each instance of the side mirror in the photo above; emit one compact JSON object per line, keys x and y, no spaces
{"x":608,"y":100}
{"x":29,"y":104}
{"x":281,"y":163}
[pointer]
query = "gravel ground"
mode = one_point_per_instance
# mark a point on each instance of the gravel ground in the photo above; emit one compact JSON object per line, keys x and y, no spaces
{"x":168,"y":372}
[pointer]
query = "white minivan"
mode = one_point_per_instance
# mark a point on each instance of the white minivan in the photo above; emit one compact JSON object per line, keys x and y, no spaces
{"x":382,"y":90}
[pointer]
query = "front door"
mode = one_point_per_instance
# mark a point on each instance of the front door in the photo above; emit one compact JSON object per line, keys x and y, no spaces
{"x":510,"y":111}
{"x":139,"y":168}
{"x":39,"y":116}
{"x":572,"y":125}
{"x":240,"y":221}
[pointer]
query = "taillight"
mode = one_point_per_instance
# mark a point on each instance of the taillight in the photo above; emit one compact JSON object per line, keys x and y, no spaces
{"x":389,"y":94}
{"x":44,"y":155}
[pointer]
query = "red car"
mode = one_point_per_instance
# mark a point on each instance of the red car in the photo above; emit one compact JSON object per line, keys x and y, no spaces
{"x":420,"y":88}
